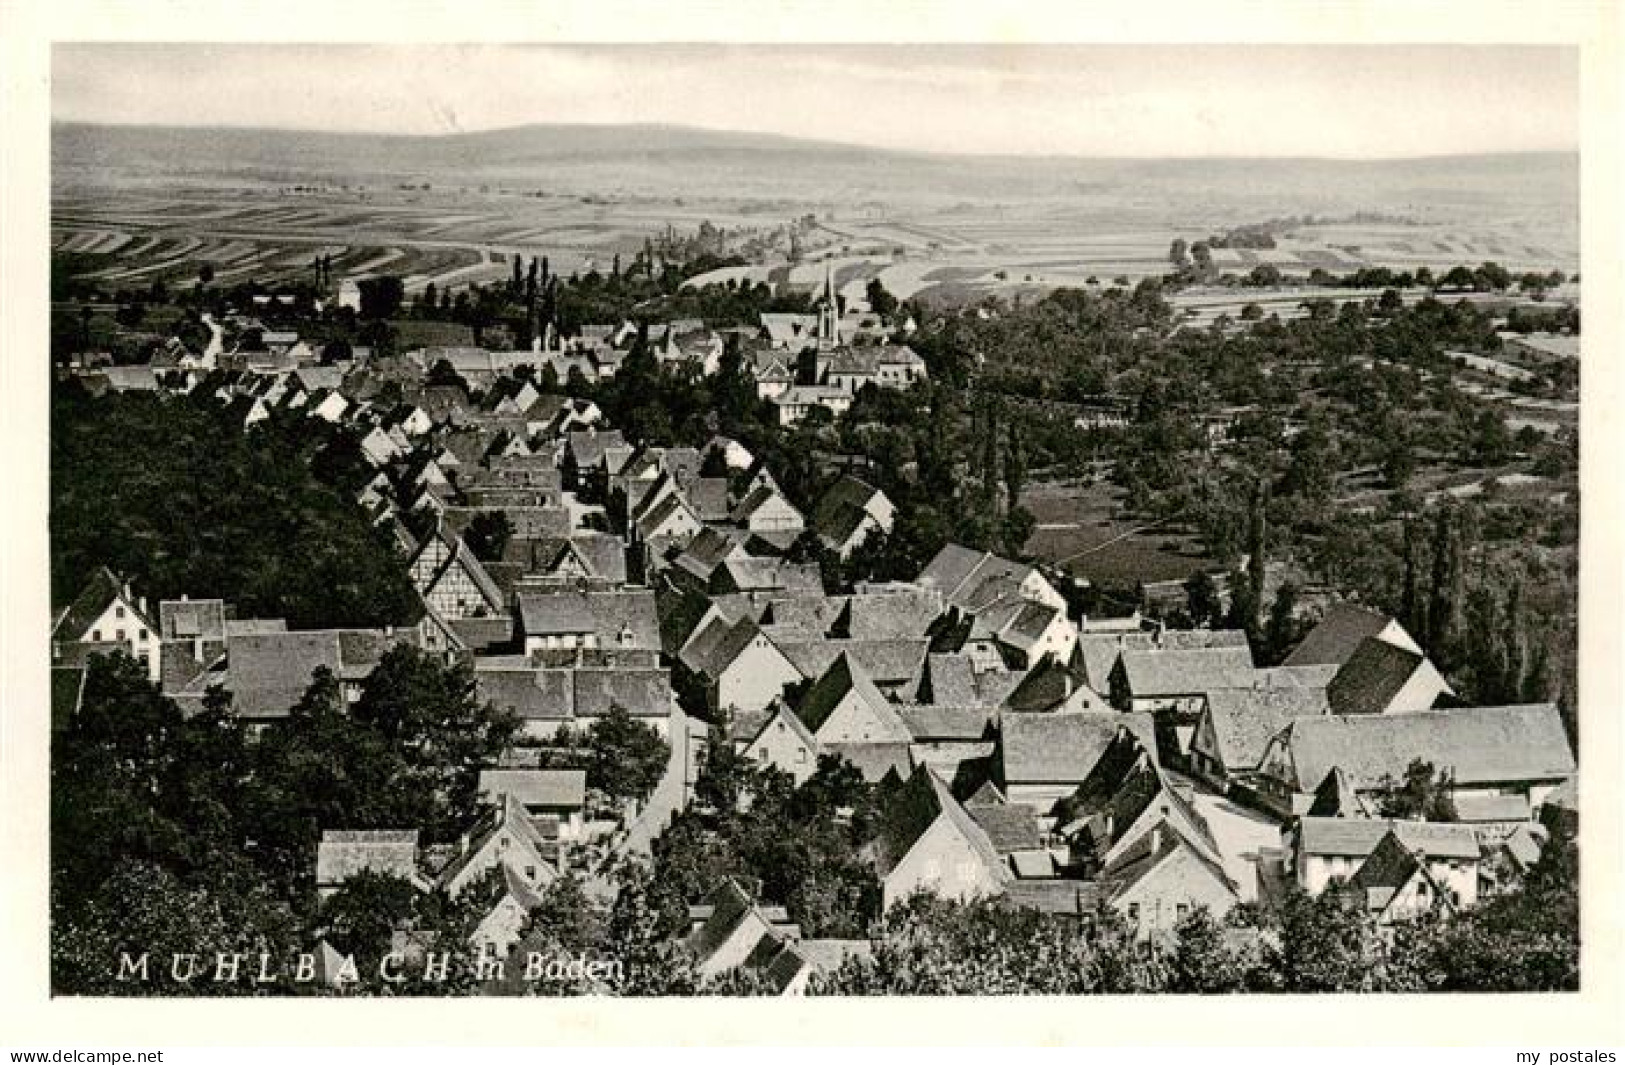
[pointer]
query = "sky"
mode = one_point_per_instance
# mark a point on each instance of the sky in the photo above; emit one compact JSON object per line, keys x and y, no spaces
{"x":1334,"y":101}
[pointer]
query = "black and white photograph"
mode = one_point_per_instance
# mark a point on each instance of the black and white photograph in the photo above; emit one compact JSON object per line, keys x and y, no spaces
{"x":802,"y":519}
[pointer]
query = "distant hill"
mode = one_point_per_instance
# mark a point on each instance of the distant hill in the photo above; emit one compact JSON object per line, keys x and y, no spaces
{"x":674,"y":161}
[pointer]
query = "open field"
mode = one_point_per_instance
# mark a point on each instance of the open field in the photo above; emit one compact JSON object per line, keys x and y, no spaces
{"x":161,"y":202}
{"x":1084,"y":531}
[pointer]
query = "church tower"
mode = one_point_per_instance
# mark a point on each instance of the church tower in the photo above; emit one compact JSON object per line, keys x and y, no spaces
{"x":829,"y":313}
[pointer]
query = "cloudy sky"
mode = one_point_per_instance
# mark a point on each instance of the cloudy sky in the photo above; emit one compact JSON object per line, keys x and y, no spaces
{"x":1370,"y":101}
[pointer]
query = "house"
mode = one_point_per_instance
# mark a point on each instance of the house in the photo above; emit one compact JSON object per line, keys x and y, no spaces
{"x":927,"y":841}
{"x":1498,"y":750}
{"x":1341,"y":631}
{"x":268,"y":672}
{"x":452,"y":580}
{"x":623,"y":619}
{"x":1022,"y":632}
{"x":107,"y":615}
{"x":893,"y":665}
{"x":958,"y":680}
{"x":1385,"y":678}
{"x":732,"y":931}
{"x":1178,"y":680}
{"x":971,"y":580}
{"x":1045,"y":757}
{"x":341,"y":855}
{"x":700,"y":557}
{"x":1395,"y":884}
{"x":504,"y":836}
{"x":1238,"y":723}
{"x":765,"y":511}
{"x":503,"y":924}
{"x":1325,"y":850}
{"x":947,"y":737}
{"x":1163,"y":878}
{"x":555,"y":798}
{"x":779,"y":739}
{"x":546,"y":699}
{"x":747,"y":670}
{"x":671,"y":518}
{"x":898,"y":366}
{"x":797,"y":401}
{"x":774,"y":379}
{"x":844,"y":706}
{"x":849,"y":513}
{"x":765,"y":575}
{"x":1125,"y":797}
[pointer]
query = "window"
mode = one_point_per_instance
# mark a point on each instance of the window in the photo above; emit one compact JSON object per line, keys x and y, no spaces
{"x":1134,"y":912}
{"x":118,"y":612}
{"x":1180,"y":909}
{"x":119,"y":635}
{"x":95,"y":635}
{"x":801,"y":756}
{"x":141,"y":634}
{"x":530,"y":872}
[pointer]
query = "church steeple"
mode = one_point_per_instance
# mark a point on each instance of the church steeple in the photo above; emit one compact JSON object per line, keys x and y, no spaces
{"x":829,"y":314}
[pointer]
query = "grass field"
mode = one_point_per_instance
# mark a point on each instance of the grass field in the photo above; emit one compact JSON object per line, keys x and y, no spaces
{"x":1083,"y":529}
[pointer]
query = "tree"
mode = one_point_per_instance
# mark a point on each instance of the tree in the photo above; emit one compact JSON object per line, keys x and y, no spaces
{"x":488,"y":535}
{"x":880,"y":301}
{"x":628,"y":757}
{"x":381,"y":297}
{"x":1202,"y":599}
{"x":429,"y":713}
{"x":1423,"y":795}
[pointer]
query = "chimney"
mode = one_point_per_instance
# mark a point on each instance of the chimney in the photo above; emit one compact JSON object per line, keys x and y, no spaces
{"x":1156,"y":838}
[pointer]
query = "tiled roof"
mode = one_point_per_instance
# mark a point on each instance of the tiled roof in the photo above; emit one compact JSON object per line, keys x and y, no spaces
{"x":342,"y":854}
{"x":536,"y":787}
{"x":1245,"y":719}
{"x":1063,"y":748}
{"x":1009,"y":827}
{"x":935,"y":723}
{"x":843,"y":677}
{"x":908,"y":811}
{"x":1342,"y":630}
{"x":189,"y":619}
{"x":1151,"y":674}
{"x":874,"y":760}
{"x":1358,"y":837}
{"x":887,"y":662}
{"x":1372,"y":677}
{"x":1478,"y":745}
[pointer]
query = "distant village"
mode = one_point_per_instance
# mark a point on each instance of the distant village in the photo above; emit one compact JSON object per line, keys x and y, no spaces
{"x":1022,"y":752}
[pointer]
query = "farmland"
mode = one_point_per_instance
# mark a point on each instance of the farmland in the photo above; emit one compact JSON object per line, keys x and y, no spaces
{"x":159,"y":204}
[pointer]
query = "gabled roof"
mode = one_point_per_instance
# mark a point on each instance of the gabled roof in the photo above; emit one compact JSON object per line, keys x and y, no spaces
{"x":98,"y":594}
{"x":460,"y":556}
{"x":1480,"y":745}
{"x":608,"y":614}
{"x":909,"y":811}
{"x":892,"y":614}
{"x":1149,"y":853}
{"x":1009,"y":827}
{"x":536,"y":787}
{"x":1063,"y":748}
{"x":1336,"y":797}
{"x":750,"y":727}
{"x":887,"y":662}
{"x":971,"y":579}
{"x":928,"y":724}
{"x":843,"y":677}
{"x":1386,"y":871}
{"x":1358,"y":837}
{"x":1152,"y":674}
{"x":875,"y":761}
{"x":1340,"y":632}
{"x":1245,"y":719}
{"x":1372,"y":677}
